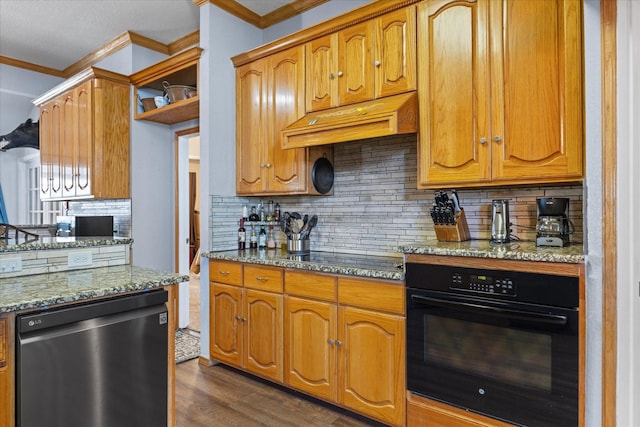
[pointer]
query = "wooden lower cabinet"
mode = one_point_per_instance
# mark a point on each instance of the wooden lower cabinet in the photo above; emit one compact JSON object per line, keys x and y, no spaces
{"x":7,"y":371}
{"x":290,"y":326}
{"x":371,"y":364}
{"x":310,"y":342}
{"x":246,"y":329}
{"x":351,"y":356}
{"x":422,"y":412}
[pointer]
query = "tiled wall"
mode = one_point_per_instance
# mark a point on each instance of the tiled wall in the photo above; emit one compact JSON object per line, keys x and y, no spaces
{"x":375,"y":205}
{"x":56,"y":260}
{"x":120,"y":209}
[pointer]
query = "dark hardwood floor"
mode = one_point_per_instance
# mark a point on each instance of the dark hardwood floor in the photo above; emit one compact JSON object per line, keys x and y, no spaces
{"x":221,"y":396}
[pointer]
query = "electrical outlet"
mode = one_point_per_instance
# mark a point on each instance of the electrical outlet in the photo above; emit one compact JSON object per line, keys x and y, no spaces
{"x":10,"y":265}
{"x":79,"y":259}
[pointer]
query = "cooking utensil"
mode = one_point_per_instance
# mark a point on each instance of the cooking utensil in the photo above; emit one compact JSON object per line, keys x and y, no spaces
{"x":456,"y":201}
{"x":322,"y":175}
{"x":313,"y":221}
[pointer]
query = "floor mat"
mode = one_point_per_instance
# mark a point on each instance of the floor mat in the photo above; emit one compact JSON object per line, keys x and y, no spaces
{"x":187,"y":346}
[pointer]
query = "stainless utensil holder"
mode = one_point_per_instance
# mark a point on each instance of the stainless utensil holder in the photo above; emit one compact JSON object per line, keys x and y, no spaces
{"x":298,"y":245}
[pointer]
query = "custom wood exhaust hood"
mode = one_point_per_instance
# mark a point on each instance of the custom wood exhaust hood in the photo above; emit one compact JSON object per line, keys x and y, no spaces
{"x":391,"y":115}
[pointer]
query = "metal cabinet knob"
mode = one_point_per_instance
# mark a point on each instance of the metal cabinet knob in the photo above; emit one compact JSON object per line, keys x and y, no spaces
{"x":268,"y":165}
{"x":340,"y":73}
{"x":376,"y":63}
{"x":330,"y":341}
{"x":483,"y":140}
{"x":332,"y":76}
{"x":338,"y":343}
{"x":497,"y":138}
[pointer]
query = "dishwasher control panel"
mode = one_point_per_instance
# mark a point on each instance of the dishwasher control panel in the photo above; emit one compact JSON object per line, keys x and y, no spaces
{"x":483,"y":284}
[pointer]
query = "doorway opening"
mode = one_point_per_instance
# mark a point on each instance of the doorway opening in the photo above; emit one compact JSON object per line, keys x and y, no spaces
{"x":187,"y":227}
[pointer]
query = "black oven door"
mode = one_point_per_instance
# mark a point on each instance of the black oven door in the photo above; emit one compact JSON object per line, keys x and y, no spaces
{"x":512,"y":361}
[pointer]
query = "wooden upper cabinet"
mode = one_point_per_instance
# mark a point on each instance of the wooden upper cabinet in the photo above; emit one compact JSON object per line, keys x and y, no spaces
{"x":355,"y":64}
{"x":84,"y":137}
{"x":395,"y":54}
{"x":501,"y":93}
{"x":322,"y":59}
{"x":364,"y":61}
{"x":269,"y":96}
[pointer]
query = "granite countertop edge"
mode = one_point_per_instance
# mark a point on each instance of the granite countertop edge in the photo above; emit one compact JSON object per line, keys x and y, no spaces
{"x":310,"y":266}
{"x":64,"y":243}
{"x":41,"y":291}
{"x":517,"y":251}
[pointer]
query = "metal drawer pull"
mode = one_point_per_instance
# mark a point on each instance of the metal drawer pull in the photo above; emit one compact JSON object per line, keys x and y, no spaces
{"x":224,"y":273}
{"x":262,"y":279}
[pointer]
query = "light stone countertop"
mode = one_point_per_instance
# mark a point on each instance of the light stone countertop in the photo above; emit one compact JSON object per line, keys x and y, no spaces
{"x":392,"y":268}
{"x":45,"y":290}
{"x":516,"y":250}
{"x":46,"y":243}
{"x":379,"y":267}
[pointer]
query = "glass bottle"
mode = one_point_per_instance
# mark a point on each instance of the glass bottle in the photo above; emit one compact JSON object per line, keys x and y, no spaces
{"x":253,"y":239}
{"x":242,"y":236}
{"x":254,"y":214}
{"x":245,"y":213}
{"x":271,"y":242}
{"x":276,"y":212}
{"x":262,"y":238}
{"x":270,"y":211}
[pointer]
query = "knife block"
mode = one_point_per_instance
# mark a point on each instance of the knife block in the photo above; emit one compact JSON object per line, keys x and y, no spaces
{"x":454,"y":233}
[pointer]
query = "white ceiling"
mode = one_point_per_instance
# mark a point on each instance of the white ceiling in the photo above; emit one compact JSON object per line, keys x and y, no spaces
{"x":58,"y":33}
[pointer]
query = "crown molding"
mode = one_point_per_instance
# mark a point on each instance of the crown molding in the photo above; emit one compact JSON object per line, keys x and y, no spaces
{"x":31,"y":67}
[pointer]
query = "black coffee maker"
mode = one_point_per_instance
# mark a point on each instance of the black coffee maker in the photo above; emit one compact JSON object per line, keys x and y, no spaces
{"x":554,"y":226}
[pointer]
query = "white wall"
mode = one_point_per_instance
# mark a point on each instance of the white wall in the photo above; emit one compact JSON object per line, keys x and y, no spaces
{"x":18,"y":87}
{"x":628,"y":199}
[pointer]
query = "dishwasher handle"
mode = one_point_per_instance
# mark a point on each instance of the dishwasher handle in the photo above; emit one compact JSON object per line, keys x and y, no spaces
{"x":49,"y":318}
{"x":531,"y":316}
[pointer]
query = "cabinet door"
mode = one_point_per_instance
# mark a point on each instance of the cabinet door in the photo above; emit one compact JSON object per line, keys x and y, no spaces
{"x":286,"y":169}
{"x":310,"y":351}
{"x":454,"y":93}
{"x":355,"y":64}
{"x":395,"y":58}
{"x":46,"y":148}
{"x":84,"y":139}
{"x":7,"y":371}
{"x":371,"y":372}
{"x":68,"y":143}
{"x":51,"y":145}
{"x":225,"y":305}
{"x":537,"y":92}
{"x":263,"y":334}
{"x":321,"y":78}
{"x":251,"y":125}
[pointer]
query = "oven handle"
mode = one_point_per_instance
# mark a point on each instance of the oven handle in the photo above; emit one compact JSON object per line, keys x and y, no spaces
{"x":555,"y":319}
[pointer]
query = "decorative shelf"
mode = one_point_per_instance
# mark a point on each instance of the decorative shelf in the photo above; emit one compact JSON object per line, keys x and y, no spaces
{"x":179,"y":69}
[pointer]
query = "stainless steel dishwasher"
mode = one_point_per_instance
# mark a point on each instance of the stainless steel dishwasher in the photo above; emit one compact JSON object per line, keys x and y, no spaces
{"x":99,"y":364}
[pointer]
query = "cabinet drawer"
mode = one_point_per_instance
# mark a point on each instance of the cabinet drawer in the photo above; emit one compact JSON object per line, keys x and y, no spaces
{"x":225,"y":272}
{"x":263,"y":278}
{"x":310,"y":285}
{"x":372,"y":294}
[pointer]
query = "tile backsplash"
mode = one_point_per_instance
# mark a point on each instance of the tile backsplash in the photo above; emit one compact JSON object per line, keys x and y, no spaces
{"x":375,"y":205}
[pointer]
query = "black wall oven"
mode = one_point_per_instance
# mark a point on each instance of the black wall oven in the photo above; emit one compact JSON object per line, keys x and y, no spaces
{"x":502,"y":344}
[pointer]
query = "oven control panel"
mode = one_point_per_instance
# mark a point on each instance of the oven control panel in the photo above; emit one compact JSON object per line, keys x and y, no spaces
{"x":483,"y":284}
